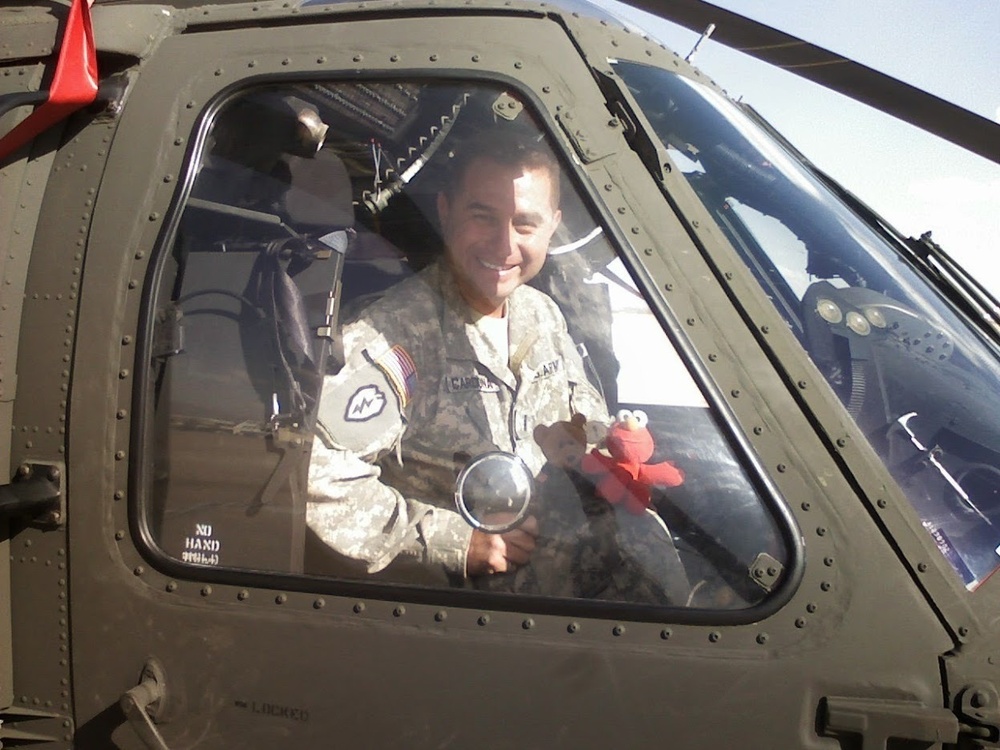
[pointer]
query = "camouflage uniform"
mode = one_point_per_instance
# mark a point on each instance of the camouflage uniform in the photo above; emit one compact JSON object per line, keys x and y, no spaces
{"x":390,"y":442}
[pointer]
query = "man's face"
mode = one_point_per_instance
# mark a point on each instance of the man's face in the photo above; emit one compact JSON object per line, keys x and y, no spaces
{"x":497,"y":228}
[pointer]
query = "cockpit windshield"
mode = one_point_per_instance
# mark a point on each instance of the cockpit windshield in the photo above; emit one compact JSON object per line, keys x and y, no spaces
{"x":917,"y":377}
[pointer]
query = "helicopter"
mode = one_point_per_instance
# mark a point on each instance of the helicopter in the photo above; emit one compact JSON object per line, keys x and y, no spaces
{"x":199,"y":199}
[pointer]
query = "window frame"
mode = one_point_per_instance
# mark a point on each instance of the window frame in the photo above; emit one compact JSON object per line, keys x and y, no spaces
{"x":577,"y":179}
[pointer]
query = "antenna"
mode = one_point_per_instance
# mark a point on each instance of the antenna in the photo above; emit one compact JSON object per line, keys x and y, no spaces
{"x":704,"y":35}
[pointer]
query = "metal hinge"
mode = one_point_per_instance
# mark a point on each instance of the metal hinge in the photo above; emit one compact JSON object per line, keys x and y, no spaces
{"x":168,"y":335}
{"x":35,"y":492}
{"x":978,"y":708}
{"x":622,"y":105}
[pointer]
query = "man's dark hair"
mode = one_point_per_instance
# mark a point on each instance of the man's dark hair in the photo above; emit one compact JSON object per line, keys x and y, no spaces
{"x":509,"y":148}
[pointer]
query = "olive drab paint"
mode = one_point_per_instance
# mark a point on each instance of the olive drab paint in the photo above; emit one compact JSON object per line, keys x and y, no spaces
{"x":186,"y":266}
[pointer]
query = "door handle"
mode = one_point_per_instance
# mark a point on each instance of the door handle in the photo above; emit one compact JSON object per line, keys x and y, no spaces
{"x":142,"y":703}
{"x":878,"y":721}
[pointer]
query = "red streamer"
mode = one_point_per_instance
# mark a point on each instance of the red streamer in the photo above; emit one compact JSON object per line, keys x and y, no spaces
{"x":74,"y":84}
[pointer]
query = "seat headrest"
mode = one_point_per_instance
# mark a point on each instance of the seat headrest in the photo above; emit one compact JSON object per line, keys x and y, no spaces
{"x":319,"y":191}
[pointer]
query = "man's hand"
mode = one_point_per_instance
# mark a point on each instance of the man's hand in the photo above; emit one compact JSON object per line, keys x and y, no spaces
{"x":500,"y":553}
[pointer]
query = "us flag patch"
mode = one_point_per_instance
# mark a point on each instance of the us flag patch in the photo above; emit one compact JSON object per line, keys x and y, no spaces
{"x":398,"y":367}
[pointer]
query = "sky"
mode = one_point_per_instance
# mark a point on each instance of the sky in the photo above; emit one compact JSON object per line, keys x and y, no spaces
{"x":914,"y":180}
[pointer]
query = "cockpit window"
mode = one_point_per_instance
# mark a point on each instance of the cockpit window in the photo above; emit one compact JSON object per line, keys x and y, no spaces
{"x":919,"y":379}
{"x":390,"y":343}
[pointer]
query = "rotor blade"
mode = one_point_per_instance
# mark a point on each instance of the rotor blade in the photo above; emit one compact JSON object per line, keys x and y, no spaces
{"x":926,"y":111}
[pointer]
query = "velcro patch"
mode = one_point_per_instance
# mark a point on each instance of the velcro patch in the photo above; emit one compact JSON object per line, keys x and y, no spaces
{"x":399,"y":369}
{"x":360,"y":410}
{"x":470,"y":382}
{"x":546,"y":369}
{"x":365,"y":403}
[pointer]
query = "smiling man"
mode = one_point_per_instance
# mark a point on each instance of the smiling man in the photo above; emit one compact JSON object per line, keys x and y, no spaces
{"x":497,"y":221}
{"x":459,"y":360}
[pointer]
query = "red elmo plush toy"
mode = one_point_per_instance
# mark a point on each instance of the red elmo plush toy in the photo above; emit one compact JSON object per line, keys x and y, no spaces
{"x":625,"y":477}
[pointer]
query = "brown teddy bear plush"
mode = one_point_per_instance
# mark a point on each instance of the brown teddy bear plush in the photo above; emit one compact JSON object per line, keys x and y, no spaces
{"x":563,"y":443}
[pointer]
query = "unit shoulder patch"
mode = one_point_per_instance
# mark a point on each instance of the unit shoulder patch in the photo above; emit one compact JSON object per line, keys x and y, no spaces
{"x":365,"y":403}
{"x":362,"y":408}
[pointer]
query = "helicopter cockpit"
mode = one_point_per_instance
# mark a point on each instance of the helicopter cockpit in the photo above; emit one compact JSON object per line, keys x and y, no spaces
{"x":308,"y":200}
{"x":900,"y":352}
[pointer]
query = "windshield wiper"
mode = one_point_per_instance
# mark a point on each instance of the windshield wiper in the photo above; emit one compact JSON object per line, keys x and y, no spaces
{"x":937,"y":266}
{"x":976,"y":298}
{"x":954,"y":282}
